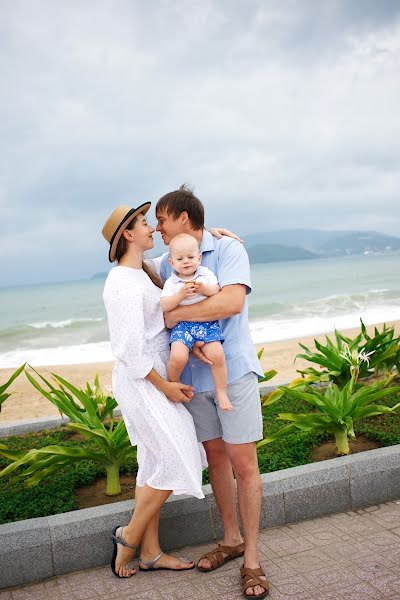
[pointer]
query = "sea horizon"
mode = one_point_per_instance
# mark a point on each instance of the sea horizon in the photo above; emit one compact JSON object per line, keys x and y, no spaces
{"x":65,"y":322}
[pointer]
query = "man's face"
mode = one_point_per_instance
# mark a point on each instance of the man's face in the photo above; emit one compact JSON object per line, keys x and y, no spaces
{"x":168,"y":226}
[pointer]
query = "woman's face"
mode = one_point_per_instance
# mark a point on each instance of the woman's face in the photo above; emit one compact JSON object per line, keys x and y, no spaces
{"x":142,"y":233}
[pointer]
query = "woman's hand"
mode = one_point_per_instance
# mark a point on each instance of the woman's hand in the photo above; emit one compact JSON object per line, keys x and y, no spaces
{"x":218,"y":232}
{"x":177,"y":391}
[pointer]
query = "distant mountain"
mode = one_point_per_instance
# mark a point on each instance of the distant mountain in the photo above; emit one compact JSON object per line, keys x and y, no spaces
{"x":304,"y":244}
{"x":310,"y":239}
{"x":266,"y":253}
{"x":328,"y":243}
{"x":368,"y":242}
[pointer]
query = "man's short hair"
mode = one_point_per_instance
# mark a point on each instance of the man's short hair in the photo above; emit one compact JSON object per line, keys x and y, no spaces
{"x":183,"y":200}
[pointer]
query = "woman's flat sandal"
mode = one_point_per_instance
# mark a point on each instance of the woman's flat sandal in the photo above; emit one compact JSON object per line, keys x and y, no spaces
{"x":251,"y":578}
{"x":118,"y":539}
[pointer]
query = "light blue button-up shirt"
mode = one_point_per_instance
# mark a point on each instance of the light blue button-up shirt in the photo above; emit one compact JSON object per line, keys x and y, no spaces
{"x":229,"y":261}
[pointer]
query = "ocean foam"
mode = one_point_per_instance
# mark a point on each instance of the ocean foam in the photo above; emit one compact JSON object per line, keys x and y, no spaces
{"x":262,"y":330}
{"x":63,"y":355}
{"x":272,"y":330}
{"x":62,"y":324}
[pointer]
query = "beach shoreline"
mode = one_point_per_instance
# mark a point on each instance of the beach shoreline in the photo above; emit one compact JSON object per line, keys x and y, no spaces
{"x":26,"y":402}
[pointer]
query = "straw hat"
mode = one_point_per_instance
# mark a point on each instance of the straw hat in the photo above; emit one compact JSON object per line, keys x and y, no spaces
{"x":117,"y":222}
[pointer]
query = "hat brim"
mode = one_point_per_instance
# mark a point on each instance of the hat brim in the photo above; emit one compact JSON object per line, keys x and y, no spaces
{"x":143,"y":208}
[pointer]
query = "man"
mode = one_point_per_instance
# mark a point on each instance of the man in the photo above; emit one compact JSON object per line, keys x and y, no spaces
{"x":228,"y":437}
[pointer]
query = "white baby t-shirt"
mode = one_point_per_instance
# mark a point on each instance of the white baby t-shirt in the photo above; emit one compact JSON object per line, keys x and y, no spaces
{"x":174,"y":283}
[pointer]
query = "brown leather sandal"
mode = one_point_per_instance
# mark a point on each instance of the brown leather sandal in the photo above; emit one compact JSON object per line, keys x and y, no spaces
{"x":217,"y":558}
{"x":251,"y":578}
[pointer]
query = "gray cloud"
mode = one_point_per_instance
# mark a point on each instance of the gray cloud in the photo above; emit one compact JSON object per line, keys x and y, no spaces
{"x":281,"y":114}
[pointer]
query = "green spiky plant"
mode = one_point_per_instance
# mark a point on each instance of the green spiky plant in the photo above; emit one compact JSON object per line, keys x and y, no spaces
{"x":382,"y":349}
{"x":337,"y":408}
{"x":3,"y":394}
{"x":87,"y":411}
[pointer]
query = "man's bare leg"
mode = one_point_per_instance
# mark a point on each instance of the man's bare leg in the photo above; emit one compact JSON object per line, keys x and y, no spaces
{"x":223,"y":484}
{"x":150,"y":545}
{"x":243,"y":458}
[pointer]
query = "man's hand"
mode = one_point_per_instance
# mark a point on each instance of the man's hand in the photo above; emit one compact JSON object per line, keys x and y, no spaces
{"x":218,"y":232}
{"x":169,"y":320}
{"x":198,"y":353}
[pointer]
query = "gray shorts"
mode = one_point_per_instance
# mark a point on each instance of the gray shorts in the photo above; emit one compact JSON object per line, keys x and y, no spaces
{"x":241,"y":425}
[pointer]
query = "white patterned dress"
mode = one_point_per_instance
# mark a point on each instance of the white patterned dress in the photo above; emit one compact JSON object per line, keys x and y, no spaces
{"x":169,"y":456}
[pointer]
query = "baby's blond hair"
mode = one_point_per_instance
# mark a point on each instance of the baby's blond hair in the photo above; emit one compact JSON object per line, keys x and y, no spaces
{"x":183,"y":240}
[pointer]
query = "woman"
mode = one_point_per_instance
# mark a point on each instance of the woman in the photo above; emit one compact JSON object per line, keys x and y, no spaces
{"x":169,"y":457}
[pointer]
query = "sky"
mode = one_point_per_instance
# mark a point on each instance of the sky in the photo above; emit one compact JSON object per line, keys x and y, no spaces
{"x":281,"y":114}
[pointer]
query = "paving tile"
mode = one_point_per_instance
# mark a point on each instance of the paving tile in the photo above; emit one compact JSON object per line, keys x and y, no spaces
{"x":382,"y":541}
{"x":396,"y":531}
{"x":278,"y":570}
{"x":361,"y":591}
{"x":388,"y":516}
{"x":307,"y":561}
{"x":349,"y":556}
{"x":391,"y":557}
{"x":31,"y":592}
{"x":386,"y":585}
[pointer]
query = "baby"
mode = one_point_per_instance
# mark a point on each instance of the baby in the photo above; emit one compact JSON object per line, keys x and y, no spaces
{"x":190,"y":283}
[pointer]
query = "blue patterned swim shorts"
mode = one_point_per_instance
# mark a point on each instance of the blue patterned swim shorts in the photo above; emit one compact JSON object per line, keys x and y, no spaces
{"x":189,"y":333}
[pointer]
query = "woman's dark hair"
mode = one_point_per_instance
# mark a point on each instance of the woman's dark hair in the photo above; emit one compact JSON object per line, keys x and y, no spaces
{"x":122,"y":247}
{"x":183,"y":200}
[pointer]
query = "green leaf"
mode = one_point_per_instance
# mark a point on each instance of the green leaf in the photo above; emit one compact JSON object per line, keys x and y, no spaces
{"x":267,"y":376}
{"x":3,"y":396}
{"x":12,"y":378}
{"x":276,"y":436}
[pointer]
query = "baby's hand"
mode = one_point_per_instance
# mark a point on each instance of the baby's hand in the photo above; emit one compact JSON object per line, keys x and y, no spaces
{"x":188,"y":289}
{"x":199,"y":287}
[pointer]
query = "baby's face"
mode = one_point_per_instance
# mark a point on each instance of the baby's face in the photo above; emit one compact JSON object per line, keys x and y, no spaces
{"x":185,"y":258}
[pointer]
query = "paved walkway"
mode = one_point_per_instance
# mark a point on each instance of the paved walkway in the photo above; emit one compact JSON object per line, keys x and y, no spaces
{"x":349,"y":556}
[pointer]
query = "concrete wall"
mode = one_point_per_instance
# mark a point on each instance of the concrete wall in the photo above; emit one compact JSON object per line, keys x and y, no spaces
{"x":35,"y":549}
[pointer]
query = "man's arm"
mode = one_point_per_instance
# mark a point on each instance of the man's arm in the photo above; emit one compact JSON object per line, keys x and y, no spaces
{"x":228,"y":302}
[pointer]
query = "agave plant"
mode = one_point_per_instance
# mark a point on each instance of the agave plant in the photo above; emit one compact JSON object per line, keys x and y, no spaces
{"x":337,"y":360}
{"x":87,"y":411}
{"x":3,"y":395}
{"x":335,"y":410}
{"x":385,"y":348}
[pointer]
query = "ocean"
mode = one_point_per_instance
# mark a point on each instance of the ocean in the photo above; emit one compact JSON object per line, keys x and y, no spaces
{"x":65,"y":323}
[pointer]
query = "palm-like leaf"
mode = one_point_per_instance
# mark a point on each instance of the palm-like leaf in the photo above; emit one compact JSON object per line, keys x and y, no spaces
{"x":382,"y":350}
{"x":335,"y":410}
{"x":3,"y":395}
{"x":86,"y":411}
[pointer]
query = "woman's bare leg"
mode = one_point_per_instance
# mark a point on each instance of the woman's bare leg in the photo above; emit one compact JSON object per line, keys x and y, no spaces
{"x":148,"y":504}
{"x":150,"y":546}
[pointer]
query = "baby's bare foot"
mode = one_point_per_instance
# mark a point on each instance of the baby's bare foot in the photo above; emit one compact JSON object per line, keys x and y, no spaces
{"x":223,"y":401}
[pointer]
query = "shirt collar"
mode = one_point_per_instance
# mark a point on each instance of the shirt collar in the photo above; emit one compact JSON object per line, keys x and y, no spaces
{"x":176,"y":278}
{"x":207,"y":242}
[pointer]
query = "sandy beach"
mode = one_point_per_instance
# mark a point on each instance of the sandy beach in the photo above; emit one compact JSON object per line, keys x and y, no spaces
{"x":27,"y":403}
